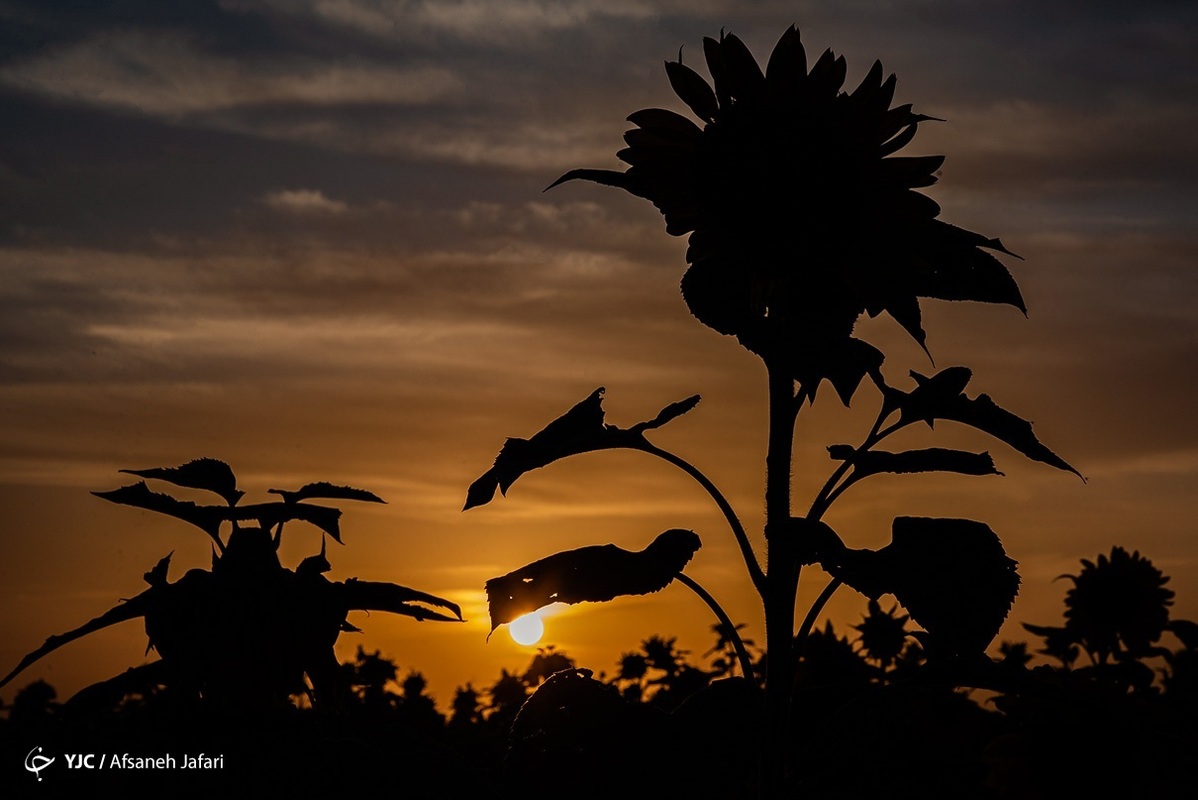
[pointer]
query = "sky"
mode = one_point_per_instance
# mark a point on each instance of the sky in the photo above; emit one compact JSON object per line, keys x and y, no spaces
{"x":310,"y":239}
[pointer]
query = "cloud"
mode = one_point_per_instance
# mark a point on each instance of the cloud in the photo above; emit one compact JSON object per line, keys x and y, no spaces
{"x":304,"y":201}
{"x":168,"y":76}
{"x":468,"y":20}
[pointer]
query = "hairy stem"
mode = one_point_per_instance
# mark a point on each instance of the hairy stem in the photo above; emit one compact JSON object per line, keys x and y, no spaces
{"x":738,"y":530}
{"x":742,"y":653}
{"x":830,"y":490}
{"x":782,"y":576}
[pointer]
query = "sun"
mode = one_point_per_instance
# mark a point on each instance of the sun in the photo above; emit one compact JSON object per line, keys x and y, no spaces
{"x":526,"y":630}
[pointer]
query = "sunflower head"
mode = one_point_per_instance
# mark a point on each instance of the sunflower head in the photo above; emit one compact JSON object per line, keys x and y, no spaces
{"x":800,"y":216}
{"x":1116,"y":600}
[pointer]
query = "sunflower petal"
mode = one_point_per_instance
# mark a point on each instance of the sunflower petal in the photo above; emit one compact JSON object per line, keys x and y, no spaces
{"x":692,"y":90}
{"x":744,"y":75}
{"x":912,"y":171}
{"x":606,"y":177}
{"x":787,"y":67}
{"x":869,"y":85}
{"x":719,"y":72}
{"x":661,"y":118}
{"x":827,"y":76}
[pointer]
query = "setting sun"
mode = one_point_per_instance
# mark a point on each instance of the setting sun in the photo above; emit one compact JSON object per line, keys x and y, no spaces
{"x":527,"y":630}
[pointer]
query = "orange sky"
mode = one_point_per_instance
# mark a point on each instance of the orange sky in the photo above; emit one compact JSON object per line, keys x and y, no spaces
{"x":311,"y":241}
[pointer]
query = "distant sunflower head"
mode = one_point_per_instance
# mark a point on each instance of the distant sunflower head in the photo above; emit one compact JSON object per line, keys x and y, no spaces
{"x":800,"y":216}
{"x":1120,"y":599}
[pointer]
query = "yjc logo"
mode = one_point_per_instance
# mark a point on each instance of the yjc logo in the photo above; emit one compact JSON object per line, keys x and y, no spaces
{"x":35,"y":762}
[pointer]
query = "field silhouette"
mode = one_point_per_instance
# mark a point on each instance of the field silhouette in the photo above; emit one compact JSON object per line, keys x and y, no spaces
{"x":802,"y":219}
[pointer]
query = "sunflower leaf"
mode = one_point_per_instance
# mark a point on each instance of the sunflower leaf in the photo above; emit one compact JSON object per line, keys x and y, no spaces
{"x":210,"y":474}
{"x":130,"y":609}
{"x":669,"y":413}
{"x":942,"y":397}
{"x":590,"y":574}
{"x":138,"y":495}
{"x":270,"y":514}
{"x":356,"y":595}
{"x":966,"y":273}
{"x":933,"y":459}
{"x":579,"y":430}
{"x":327,"y":491}
{"x":952,"y":576}
{"x":157,"y":575}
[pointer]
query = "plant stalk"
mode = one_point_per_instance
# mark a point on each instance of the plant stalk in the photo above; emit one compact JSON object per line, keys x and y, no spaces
{"x":742,"y":653}
{"x":782,"y":575}
{"x":738,"y":530}
{"x":814,"y":611}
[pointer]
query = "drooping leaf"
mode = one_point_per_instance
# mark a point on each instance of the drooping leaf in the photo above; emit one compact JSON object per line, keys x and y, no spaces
{"x":130,"y":609}
{"x":590,"y":574}
{"x":138,"y":495}
{"x":933,"y":459}
{"x":327,"y":491}
{"x":942,"y":396}
{"x":359,"y":595}
{"x":579,"y":430}
{"x":202,"y":473}
{"x":952,"y":575}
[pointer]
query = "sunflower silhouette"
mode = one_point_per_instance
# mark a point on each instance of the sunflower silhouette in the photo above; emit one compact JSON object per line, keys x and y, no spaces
{"x":1118,"y":600}
{"x":800,"y":216}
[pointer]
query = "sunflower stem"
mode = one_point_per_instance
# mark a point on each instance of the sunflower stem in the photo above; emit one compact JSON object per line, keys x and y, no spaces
{"x":738,"y":530}
{"x":814,"y":612}
{"x":782,"y":577}
{"x":742,"y":653}
{"x":830,"y":490}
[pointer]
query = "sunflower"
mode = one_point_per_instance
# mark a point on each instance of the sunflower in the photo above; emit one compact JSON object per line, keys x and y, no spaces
{"x":1120,"y":599}
{"x":800,"y":216}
